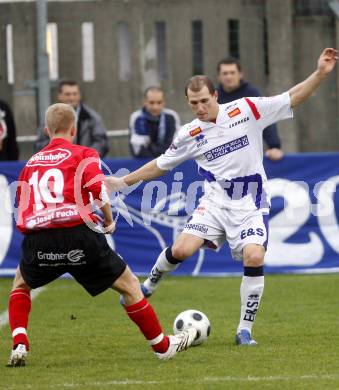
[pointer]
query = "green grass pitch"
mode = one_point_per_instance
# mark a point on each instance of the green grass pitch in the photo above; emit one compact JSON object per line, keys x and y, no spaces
{"x":79,"y":342}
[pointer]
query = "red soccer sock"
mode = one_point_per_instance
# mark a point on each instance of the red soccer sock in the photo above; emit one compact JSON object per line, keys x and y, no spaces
{"x":143,"y":315}
{"x":19,"y":306}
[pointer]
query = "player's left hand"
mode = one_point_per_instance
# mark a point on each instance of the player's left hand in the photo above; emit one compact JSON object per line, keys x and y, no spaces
{"x":274,"y":154}
{"x":327,"y":60}
{"x":109,"y":227}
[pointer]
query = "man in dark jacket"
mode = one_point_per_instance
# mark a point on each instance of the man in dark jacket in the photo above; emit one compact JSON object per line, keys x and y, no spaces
{"x":8,"y":145}
{"x":152,"y":128}
{"x":232,"y":87}
{"x":91,"y":131}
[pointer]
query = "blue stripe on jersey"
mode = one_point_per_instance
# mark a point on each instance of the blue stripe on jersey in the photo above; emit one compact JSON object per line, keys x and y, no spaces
{"x":207,"y":175}
{"x":239,"y":187}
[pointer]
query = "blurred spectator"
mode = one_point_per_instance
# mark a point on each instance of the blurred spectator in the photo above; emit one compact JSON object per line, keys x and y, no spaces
{"x":152,"y":128}
{"x":91,"y":130}
{"x":8,"y":145}
{"x":232,"y":87}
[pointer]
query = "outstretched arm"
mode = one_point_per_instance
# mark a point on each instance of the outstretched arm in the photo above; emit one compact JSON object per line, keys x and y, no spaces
{"x":148,"y":171}
{"x":302,"y":91}
{"x":177,"y":153}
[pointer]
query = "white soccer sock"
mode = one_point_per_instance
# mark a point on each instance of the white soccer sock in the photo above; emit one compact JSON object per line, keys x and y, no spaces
{"x":161,"y":267}
{"x":251,"y":290}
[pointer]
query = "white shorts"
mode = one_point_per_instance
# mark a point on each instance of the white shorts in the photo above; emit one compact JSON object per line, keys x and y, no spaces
{"x":239,"y":228}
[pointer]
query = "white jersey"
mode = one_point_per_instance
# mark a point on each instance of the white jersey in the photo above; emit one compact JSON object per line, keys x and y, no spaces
{"x":229,"y":152}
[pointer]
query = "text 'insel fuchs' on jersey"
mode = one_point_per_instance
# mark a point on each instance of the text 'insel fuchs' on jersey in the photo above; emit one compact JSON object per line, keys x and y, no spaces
{"x":229,"y":147}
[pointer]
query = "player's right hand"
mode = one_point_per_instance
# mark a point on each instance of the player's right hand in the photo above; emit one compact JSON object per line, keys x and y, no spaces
{"x":115,"y":184}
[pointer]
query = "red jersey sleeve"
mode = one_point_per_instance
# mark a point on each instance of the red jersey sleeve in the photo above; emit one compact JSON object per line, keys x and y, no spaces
{"x":93,"y":179}
{"x":23,"y":195}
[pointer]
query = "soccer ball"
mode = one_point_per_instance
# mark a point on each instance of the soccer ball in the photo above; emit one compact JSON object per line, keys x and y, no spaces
{"x":196,"y":319}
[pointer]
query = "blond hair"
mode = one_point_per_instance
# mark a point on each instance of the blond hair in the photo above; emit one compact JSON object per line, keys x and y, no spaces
{"x":60,"y":118}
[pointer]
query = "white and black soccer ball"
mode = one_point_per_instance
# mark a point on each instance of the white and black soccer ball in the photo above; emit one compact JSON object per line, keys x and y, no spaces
{"x":196,"y":319}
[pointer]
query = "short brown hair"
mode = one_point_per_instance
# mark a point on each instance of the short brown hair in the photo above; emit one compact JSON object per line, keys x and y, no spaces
{"x":229,"y":61}
{"x":196,"y":83}
{"x":60,"y":117}
{"x":71,"y":83}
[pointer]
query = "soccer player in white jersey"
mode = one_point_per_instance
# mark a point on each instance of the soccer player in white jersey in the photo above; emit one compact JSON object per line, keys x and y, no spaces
{"x":226,"y":142}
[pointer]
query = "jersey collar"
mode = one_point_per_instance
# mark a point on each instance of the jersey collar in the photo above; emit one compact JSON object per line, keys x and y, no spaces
{"x":58,"y":141}
{"x":208,"y":125}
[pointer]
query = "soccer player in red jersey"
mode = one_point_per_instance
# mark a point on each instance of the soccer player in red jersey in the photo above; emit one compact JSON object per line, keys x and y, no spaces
{"x":62,"y":235}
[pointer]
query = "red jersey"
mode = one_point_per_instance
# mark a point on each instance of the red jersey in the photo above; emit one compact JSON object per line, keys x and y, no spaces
{"x":57,"y":185}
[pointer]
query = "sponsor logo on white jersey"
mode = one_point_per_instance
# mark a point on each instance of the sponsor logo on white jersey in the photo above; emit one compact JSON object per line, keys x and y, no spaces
{"x":239,"y":122}
{"x":195,"y":132}
{"x":200,"y":140}
{"x":226,"y":148}
{"x":49,"y":157}
{"x":234,"y":112}
{"x":197,"y":226}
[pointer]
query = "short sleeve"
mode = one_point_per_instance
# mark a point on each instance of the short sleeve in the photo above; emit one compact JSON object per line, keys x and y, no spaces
{"x":93,"y":177}
{"x":269,"y":110}
{"x":176,"y":154}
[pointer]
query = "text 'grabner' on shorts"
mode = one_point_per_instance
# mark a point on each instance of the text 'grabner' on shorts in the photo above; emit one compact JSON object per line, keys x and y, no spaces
{"x":85,"y":254}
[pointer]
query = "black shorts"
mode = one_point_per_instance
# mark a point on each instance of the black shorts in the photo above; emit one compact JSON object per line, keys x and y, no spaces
{"x":85,"y":254}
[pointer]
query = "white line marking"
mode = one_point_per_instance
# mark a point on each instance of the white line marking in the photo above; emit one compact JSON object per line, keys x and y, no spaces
{"x":206,"y":380}
{"x":271,"y":378}
{"x":4,"y":315}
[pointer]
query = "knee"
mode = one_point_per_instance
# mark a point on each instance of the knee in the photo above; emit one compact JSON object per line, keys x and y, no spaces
{"x":180,"y":251}
{"x":254,"y":258}
{"x":19,"y":282}
{"x":132,"y":292}
{"x":132,"y":285}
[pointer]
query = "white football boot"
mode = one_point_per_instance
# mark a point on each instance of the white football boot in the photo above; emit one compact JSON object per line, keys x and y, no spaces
{"x":18,"y":356}
{"x":178,"y":343}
